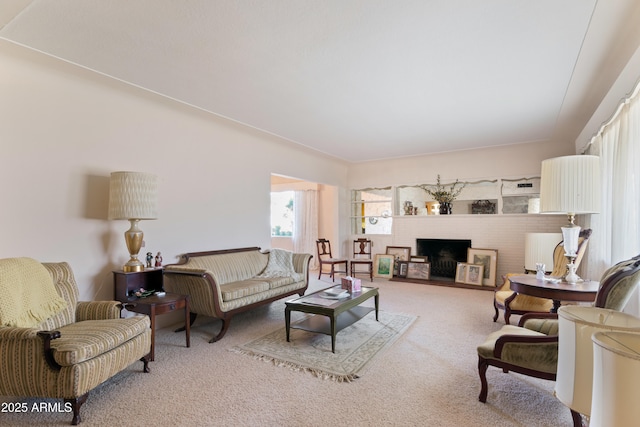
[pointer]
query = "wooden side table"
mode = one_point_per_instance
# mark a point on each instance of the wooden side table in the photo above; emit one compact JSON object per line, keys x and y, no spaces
{"x":151,"y":280}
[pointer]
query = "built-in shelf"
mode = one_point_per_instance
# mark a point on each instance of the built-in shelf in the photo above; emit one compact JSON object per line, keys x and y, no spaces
{"x":373,"y":210}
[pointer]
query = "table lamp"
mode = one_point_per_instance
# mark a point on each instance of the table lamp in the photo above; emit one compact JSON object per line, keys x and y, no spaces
{"x":616,"y":379}
{"x":539,"y":248}
{"x":570,"y":185}
{"x":133,"y":196}
{"x":576,"y":325}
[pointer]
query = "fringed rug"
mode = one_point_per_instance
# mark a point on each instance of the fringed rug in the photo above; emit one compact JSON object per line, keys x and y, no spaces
{"x":356,"y":347}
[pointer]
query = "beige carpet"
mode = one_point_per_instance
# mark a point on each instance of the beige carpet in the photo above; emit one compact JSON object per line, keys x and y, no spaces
{"x":356,"y":346}
{"x":428,"y":377}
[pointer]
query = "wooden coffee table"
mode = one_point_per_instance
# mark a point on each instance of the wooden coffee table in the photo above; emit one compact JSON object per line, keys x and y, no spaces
{"x":331,"y":316}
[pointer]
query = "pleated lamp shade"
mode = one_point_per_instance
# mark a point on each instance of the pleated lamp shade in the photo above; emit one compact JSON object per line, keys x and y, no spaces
{"x":576,"y":325}
{"x":570,"y":185}
{"x":133,"y":195}
{"x":616,"y":380}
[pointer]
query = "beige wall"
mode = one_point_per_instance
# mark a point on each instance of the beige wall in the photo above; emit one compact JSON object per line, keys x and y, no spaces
{"x":64,"y":129}
{"x":506,"y":233}
{"x":508,"y":161}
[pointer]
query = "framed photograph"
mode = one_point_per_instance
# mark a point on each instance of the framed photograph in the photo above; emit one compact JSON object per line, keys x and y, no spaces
{"x":461,"y":272}
{"x":400,"y":253}
{"x":416,"y":258}
{"x":473,"y":275}
{"x":403,"y":266}
{"x":418,"y":270}
{"x":383,"y":266}
{"x":489,"y":259}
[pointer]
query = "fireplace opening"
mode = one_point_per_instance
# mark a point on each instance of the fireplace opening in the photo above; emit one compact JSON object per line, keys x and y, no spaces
{"x":444,"y":255}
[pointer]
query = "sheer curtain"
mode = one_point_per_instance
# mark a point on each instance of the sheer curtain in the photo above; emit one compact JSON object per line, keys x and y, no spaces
{"x":617,"y":227}
{"x":305,"y":225}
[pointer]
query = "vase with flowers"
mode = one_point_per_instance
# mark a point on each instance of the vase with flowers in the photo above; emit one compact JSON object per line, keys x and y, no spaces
{"x":444,"y":195}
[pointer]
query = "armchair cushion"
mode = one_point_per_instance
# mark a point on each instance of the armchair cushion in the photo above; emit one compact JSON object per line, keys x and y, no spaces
{"x":545,"y":326}
{"x":85,"y":340}
{"x":506,"y":346}
{"x":28,"y":293}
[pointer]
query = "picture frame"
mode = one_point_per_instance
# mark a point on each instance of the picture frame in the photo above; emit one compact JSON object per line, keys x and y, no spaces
{"x":489,"y":259}
{"x":403,"y":266}
{"x":418,"y":270}
{"x":400,"y":253}
{"x":474,"y":274}
{"x":461,"y":272}
{"x":418,"y":258}
{"x":383,"y":266}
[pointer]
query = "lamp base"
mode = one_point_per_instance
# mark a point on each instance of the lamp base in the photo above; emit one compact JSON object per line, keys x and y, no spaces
{"x":133,"y":237}
{"x":133,"y":266}
{"x":571,"y":276}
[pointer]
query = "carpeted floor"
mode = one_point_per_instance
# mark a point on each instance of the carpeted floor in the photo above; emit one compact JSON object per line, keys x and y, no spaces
{"x":356,"y":348}
{"x":428,"y":377}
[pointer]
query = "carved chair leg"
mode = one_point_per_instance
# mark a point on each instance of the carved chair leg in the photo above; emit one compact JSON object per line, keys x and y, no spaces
{"x":75,"y":405}
{"x":223,"y":330}
{"x":577,"y":418}
{"x":507,"y":315}
{"x":495,"y":307}
{"x":145,"y":360}
{"x":482,"y":371}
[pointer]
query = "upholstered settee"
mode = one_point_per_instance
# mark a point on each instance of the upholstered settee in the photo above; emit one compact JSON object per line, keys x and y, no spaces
{"x":226,"y":282}
{"x":58,"y":347}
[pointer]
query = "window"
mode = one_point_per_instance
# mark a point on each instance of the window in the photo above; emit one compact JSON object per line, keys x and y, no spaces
{"x":282,"y":214}
{"x":372,"y":211}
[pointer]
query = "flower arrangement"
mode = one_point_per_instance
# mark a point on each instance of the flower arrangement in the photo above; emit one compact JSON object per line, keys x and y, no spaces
{"x":141,"y":293}
{"x":442,"y":194}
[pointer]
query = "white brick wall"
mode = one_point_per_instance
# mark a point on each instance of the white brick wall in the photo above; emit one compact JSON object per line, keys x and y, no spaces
{"x":506,"y":233}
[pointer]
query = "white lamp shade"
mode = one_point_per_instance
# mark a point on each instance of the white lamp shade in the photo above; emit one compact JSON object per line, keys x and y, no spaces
{"x":616,"y":380}
{"x":570,"y":184}
{"x":575,"y":350}
{"x":538,"y":248}
{"x":133,"y":195}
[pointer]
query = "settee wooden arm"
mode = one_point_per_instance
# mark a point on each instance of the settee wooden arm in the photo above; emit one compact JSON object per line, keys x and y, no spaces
{"x":47,"y":337}
{"x":521,"y":339}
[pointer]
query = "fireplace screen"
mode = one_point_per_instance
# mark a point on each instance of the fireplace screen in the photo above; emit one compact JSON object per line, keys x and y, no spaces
{"x":444,"y":255}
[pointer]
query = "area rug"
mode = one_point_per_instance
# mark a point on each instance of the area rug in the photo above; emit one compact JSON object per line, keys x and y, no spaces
{"x":356,"y":347}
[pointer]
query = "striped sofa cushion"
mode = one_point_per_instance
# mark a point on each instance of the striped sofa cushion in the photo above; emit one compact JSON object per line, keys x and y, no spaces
{"x":244,"y":288}
{"x":85,"y":340}
{"x":233,"y":267}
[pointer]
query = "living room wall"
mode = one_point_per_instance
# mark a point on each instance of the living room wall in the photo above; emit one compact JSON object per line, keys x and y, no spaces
{"x":65,"y":128}
{"x":506,"y":233}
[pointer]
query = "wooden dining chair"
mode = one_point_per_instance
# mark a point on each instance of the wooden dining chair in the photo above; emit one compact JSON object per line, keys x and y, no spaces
{"x":326,"y":258}
{"x":361,"y":256}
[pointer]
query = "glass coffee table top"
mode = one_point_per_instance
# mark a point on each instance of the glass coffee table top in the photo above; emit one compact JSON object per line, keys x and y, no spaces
{"x":333,"y":311}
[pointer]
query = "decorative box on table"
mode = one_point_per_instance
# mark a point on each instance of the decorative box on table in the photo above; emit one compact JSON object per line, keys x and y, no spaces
{"x":351,"y":284}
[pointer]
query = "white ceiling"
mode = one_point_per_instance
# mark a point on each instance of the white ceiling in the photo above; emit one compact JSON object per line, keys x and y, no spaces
{"x":356,"y":79}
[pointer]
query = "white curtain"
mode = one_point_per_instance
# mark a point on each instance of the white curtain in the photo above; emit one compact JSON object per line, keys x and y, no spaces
{"x":305,"y":224}
{"x":617,"y":228}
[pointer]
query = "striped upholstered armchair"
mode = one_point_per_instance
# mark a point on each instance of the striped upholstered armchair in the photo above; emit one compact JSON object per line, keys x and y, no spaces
{"x":68,"y":353}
